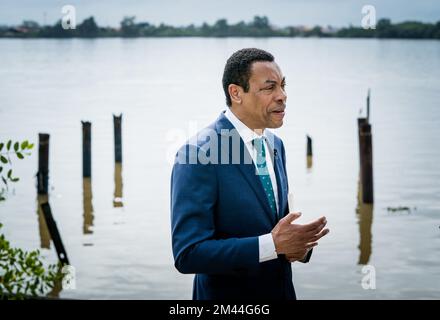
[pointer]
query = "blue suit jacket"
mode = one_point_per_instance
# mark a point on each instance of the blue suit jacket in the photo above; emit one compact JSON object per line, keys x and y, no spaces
{"x":217,"y":213}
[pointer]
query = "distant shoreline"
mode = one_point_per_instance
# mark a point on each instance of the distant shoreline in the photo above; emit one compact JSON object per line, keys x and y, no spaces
{"x":260,"y":27}
{"x":213,"y":37}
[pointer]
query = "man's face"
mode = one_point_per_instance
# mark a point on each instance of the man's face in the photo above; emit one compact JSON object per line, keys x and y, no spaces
{"x":264,"y":103}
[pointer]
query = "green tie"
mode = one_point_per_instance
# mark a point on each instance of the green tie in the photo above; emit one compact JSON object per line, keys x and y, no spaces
{"x":263,"y":173}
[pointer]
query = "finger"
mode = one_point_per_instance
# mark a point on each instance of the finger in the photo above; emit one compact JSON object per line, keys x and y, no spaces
{"x":324,"y":232}
{"x":320,"y":235}
{"x":292,"y":217}
{"x":314,"y":232}
{"x":314,"y":225}
{"x":309,"y":235}
{"x":299,"y":253}
{"x":311,"y":245}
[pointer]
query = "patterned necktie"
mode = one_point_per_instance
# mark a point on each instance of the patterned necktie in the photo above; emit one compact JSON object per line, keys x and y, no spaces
{"x":263,"y":173}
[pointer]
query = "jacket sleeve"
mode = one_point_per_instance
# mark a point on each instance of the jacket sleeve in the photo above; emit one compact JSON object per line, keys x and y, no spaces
{"x":193,"y":201}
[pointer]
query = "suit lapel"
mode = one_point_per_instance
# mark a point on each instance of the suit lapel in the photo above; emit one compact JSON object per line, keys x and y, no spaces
{"x":246,"y":166}
{"x":280,"y":176}
{"x":250,"y":174}
{"x":282,"y":196}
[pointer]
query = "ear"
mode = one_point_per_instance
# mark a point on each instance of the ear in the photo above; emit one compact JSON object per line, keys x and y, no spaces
{"x":235,"y":92}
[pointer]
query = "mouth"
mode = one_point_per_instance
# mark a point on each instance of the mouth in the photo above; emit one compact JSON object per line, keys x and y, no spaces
{"x":278,"y":113}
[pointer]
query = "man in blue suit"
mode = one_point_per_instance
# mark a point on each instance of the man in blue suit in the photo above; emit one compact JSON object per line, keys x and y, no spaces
{"x":230,"y":219}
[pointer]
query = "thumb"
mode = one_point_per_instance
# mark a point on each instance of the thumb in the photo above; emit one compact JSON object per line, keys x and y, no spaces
{"x":292,"y":217}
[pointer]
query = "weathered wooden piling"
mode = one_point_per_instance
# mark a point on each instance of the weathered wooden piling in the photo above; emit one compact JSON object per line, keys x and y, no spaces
{"x":366,"y":163}
{"x":117,"y":195}
{"x":87,"y":148}
{"x":309,"y":163}
{"x":117,"y":125}
{"x":87,"y":206}
{"x":364,"y":213}
{"x":42,"y":226}
{"x":366,"y":155}
{"x":309,"y":146}
{"x":309,"y":153}
{"x":368,"y":106}
{"x":361,"y":122}
{"x":55,"y":235}
{"x":43,"y":163}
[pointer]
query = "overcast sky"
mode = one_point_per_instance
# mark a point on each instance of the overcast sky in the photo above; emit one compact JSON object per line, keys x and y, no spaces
{"x":183,"y":12}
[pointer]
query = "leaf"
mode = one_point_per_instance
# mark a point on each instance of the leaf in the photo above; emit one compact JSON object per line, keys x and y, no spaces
{"x":24,"y":144}
{"x":1,"y":145}
{"x":5,"y":181}
{"x":8,"y":145}
{"x":30,"y":146}
{"x":15,"y":179}
{"x":9,"y":173}
{"x":19,"y":155}
{"x":16,"y":146}
{"x":3,"y":159}
{"x":1,"y":169}
{"x":23,"y":273}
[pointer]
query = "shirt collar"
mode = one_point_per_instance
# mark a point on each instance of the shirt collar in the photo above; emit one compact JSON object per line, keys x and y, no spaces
{"x":245,"y":132}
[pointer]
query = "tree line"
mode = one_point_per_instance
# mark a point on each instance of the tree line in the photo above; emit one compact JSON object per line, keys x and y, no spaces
{"x":258,"y":27}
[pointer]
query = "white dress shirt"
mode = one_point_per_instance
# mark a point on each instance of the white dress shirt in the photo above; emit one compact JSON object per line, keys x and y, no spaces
{"x":265,"y":242}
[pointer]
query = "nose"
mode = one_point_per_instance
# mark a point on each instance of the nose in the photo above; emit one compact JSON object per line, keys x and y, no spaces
{"x":281,"y":96}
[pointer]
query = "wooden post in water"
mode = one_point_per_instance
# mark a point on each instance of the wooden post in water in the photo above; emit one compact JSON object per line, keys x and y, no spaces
{"x":366,"y":163}
{"x":117,"y":122}
{"x":366,"y":155}
{"x":42,"y":226}
{"x":55,"y":235}
{"x":361,"y":122}
{"x":43,"y":163}
{"x":117,"y":195}
{"x":309,"y":153}
{"x":87,"y":148}
{"x":88,"y":206}
{"x":117,"y":125}
{"x":368,"y":106}
{"x":309,"y":146}
{"x":364,"y":211}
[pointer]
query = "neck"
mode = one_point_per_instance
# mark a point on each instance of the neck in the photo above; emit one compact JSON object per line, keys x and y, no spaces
{"x":247,"y":121}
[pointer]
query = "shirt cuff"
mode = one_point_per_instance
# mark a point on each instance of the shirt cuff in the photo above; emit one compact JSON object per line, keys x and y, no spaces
{"x":266,"y":248}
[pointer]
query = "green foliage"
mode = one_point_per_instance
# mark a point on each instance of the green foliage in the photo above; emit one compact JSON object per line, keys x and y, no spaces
{"x":315,"y":32}
{"x":88,"y":28}
{"x":354,"y":32}
{"x":22,"y":274}
{"x":129,"y":27}
{"x":260,"y":26}
{"x":404,"y":30}
{"x":7,"y":151}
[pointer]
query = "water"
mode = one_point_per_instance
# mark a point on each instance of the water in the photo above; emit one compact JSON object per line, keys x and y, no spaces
{"x":166,"y":89}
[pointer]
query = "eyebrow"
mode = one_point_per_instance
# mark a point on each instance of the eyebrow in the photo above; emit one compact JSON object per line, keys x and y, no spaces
{"x":274,"y":82}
